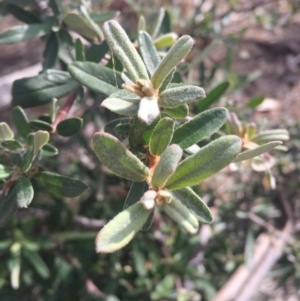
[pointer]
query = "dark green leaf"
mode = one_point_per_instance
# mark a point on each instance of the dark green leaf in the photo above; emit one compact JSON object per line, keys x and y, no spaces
{"x":166,"y":165}
{"x":25,"y":32}
{"x":173,"y":97}
{"x":179,"y":112}
{"x":57,"y":7}
{"x":201,"y":126}
{"x":8,"y":205}
{"x":69,"y":127}
{"x":194,"y":203}
{"x":161,"y":136}
{"x":251,"y":153}
{"x":96,"y":77}
{"x":121,"y":229}
{"x":50,"y":54}
{"x":123,"y":129}
{"x":255,"y":101}
{"x":135,"y":193}
{"x":48,"y":150}
{"x":12,"y":144}
{"x":41,"y":89}
{"x":37,"y":263}
{"x":21,"y":122}
{"x":148,"y":51}
{"x":4,"y":171}
{"x":211,"y":97}
{"x":37,"y":125}
{"x":96,"y":52}
{"x":24,"y":192}
{"x":79,"y":50}
{"x":207,"y":161}
{"x":22,"y":15}
{"x":60,"y":185}
{"x":181,"y":215}
{"x":114,"y":155}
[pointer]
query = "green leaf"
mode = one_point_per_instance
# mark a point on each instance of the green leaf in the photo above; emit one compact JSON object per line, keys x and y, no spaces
{"x":126,"y":95}
{"x":135,"y":193}
{"x":79,"y":50}
{"x":161,"y":136}
{"x":122,"y":47}
{"x":193,"y":202}
{"x":201,"y":126}
{"x":121,"y":229}
{"x":27,"y":160}
{"x":207,"y":161}
{"x":79,"y":24}
{"x":21,"y":122}
{"x":57,"y":7}
{"x":173,"y":97}
{"x":8,"y":205}
{"x":69,"y":127}
{"x":60,"y":185}
{"x":177,"y":52}
{"x":123,"y":129}
{"x":12,"y":144}
{"x":22,"y":15}
{"x":48,"y":150}
{"x":167,"y":81}
{"x":271,"y":135}
{"x":96,"y":52}
{"x":181,"y":215}
{"x":255,"y":101}
{"x":37,"y":263}
{"x":25,"y":32}
{"x":179,"y":112}
{"x":24,"y":192}
{"x":50,"y":54}
{"x":211,"y":97}
{"x":166,"y":40}
{"x":120,"y":106}
{"x":5,"y":132}
{"x":96,"y":77}
{"x":142,"y":23}
{"x":37,"y":125}
{"x":41,"y":89}
{"x":4,"y":171}
{"x":158,"y":22}
{"x":148,"y":51}
{"x":40,"y":139}
{"x":101,"y":17}
{"x":166,"y":165}
{"x":249,"y":154}
{"x":114,"y":155}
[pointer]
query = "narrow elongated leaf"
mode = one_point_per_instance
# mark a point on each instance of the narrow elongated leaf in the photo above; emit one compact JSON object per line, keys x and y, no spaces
{"x":41,"y":89}
{"x":166,"y":40}
{"x":161,"y":136}
{"x":255,"y":101}
{"x":179,"y":112}
{"x":24,"y":192}
{"x":79,"y":51}
{"x":122,"y":47}
{"x":123,"y":129}
{"x":50,"y":54}
{"x":126,"y":95}
{"x":194,"y":203}
{"x":177,"y":52}
{"x":201,"y":126}
{"x":37,"y":263}
{"x":8,"y":205}
{"x":166,"y":83}
{"x":211,"y":97}
{"x":101,"y":17}
{"x":148,"y":51}
{"x":181,"y":215}
{"x":249,"y":154}
{"x":121,"y":229}
{"x":37,"y":125}
{"x":173,"y":97}
{"x":22,"y":15}
{"x":48,"y":150}
{"x":60,"y":185}
{"x":207,"y":161}
{"x":148,"y":109}
{"x":96,"y":77}
{"x":21,"y":122}
{"x":136,"y":139}
{"x":271,"y":135}
{"x":135,"y":193}
{"x":158,"y":22}
{"x":69,"y":127}
{"x":12,"y":144}
{"x":120,"y":106}
{"x":114,"y":155}
{"x":96,"y":52}
{"x":5,"y":132}
{"x":25,"y":32}
{"x":166,"y":165}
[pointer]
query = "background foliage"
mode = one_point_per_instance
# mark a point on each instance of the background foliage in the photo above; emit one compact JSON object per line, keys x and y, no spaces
{"x":47,"y":251}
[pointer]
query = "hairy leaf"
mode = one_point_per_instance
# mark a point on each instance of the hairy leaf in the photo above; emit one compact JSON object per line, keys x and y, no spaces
{"x":201,"y":126}
{"x":24,"y":192}
{"x":207,"y":161}
{"x":161,"y":136}
{"x":121,"y":229}
{"x":179,"y":112}
{"x":114,"y":155}
{"x":120,"y":106}
{"x":271,"y":135}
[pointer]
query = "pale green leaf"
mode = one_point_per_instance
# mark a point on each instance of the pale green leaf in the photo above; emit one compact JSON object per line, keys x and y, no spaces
{"x":40,"y":139}
{"x":120,"y":106}
{"x":24,"y":192}
{"x":5,"y":132}
{"x":115,"y":156}
{"x":271,"y":135}
{"x":207,"y":161}
{"x":121,"y":229}
{"x":166,"y":40}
